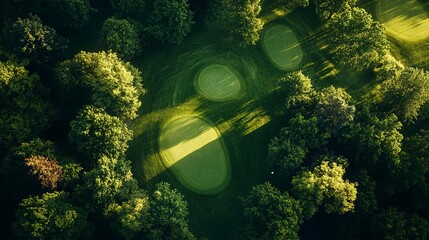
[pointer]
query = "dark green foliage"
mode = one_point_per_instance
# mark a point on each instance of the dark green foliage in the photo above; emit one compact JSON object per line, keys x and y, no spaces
{"x":121,"y":36}
{"x":306,"y":132}
{"x":96,"y":134}
{"x":366,"y":202}
{"x":356,"y":40}
{"x":405,"y":95}
{"x":29,"y":38}
{"x":70,"y":13}
{"x":284,"y":155}
{"x":50,"y":216}
{"x":297,"y":89}
{"x":326,"y":8}
{"x":23,"y":113}
{"x":171,"y":20}
{"x":271,"y":214}
{"x":168,"y":215}
{"x":129,"y":8}
{"x":392,"y":224}
{"x":114,"y":84}
{"x":129,"y":217}
{"x":325,"y":185}
{"x":247,"y":24}
{"x":334,"y":109}
{"x":374,"y":141}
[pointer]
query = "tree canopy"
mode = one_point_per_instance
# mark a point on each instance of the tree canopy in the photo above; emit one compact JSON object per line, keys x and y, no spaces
{"x":114,"y":84}
{"x":248,"y":25}
{"x":171,"y":20}
{"x":356,"y":40}
{"x":71,"y":13}
{"x":326,"y":8}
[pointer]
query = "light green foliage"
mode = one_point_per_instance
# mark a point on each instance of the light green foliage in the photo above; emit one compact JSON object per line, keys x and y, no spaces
{"x":71,"y":13}
{"x":29,"y":38}
{"x":356,"y":40}
{"x":389,"y":68}
{"x":129,"y":217}
{"x":326,"y":8}
{"x":405,"y":95}
{"x":168,"y":215}
{"x":297,"y":89}
{"x":115,"y":85}
{"x":129,"y":8}
{"x":271,"y":214}
{"x":325,"y":185}
{"x":110,"y":182}
{"x":71,"y":174}
{"x":334,"y":109}
{"x":299,"y":3}
{"x":248,"y":25}
{"x":378,"y":140}
{"x":23,"y":114}
{"x":392,"y":224}
{"x":171,"y":20}
{"x":121,"y":36}
{"x":50,"y":216}
{"x":96,"y":134}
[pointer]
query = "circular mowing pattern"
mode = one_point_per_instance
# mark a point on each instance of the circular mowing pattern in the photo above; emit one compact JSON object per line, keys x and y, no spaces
{"x":282,"y":47}
{"x":193,"y":149}
{"x":218,"y":83}
{"x":405,"y":19}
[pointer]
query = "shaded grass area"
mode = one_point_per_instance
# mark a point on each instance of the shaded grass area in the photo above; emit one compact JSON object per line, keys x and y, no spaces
{"x":282,"y":47}
{"x":218,"y":83}
{"x":193,"y":149}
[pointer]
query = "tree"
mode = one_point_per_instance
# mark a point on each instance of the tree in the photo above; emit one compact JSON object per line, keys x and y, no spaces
{"x":29,"y":38}
{"x":334,"y":109}
{"x":271,"y":214}
{"x":407,"y":94}
{"x":171,"y":20}
{"x":129,"y":8}
{"x":23,"y":111}
{"x":113,"y":84}
{"x":47,"y":170}
{"x":388,"y":69}
{"x":121,"y":36}
{"x":325,"y":185}
{"x":285,"y":156}
{"x":96,"y":134}
{"x":50,"y":216}
{"x":71,"y":13}
{"x":248,"y":25}
{"x":131,"y":216}
{"x":391,"y":224}
{"x":297,"y":89}
{"x":356,"y":40}
{"x":326,"y":8}
{"x":168,"y":215}
{"x":305,"y":131}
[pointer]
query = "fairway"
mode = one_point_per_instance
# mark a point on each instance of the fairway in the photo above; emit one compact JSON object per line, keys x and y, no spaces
{"x":282,"y":47}
{"x":405,"y":19}
{"x":218,"y":83}
{"x":193,"y":149}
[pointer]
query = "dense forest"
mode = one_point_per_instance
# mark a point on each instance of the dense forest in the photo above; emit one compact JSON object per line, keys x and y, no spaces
{"x":335,"y":146}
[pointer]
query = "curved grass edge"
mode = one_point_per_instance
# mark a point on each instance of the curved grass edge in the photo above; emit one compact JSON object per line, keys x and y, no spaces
{"x":238,"y":96}
{"x":395,"y":34}
{"x":226,"y":183}
{"x":264,"y":48}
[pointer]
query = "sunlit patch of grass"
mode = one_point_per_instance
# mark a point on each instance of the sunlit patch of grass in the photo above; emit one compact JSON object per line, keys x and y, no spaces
{"x":404,"y":19}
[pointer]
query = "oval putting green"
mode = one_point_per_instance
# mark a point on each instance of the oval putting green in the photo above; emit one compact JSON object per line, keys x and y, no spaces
{"x":218,"y":83}
{"x":282,"y":47}
{"x":193,"y":149}
{"x":405,"y":19}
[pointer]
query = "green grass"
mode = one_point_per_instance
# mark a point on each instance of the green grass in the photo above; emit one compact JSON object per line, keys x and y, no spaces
{"x":282,"y":47}
{"x":193,"y":149}
{"x":218,"y":83}
{"x":404,"y":19}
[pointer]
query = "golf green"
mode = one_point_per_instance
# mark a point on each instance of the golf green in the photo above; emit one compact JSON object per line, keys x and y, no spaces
{"x":193,"y":149}
{"x":405,"y":19}
{"x":282,"y":47}
{"x":218,"y":83}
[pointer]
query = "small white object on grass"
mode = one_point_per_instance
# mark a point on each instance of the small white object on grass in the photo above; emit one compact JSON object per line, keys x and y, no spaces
{"x":272,"y":172}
